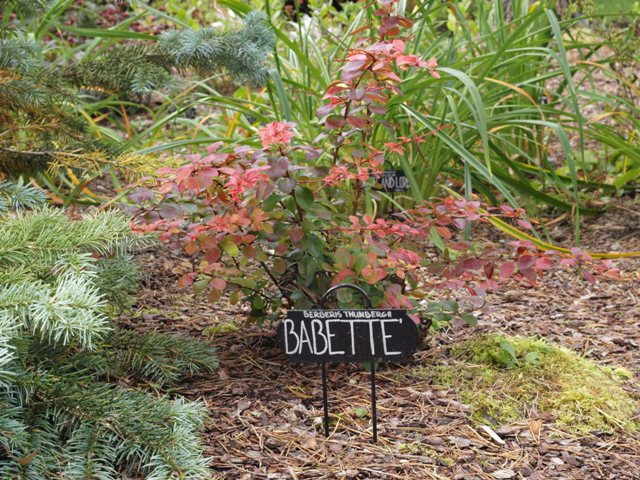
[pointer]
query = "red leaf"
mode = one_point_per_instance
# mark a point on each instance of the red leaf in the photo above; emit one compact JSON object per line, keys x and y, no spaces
{"x":379,"y":109}
{"x":214,"y":296}
{"x":444,"y":232}
{"x":189,"y":183}
{"x":460,"y":223}
{"x":405,"y":22}
{"x":524,"y":224}
{"x":184,"y":172}
{"x":529,"y":274}
{"x":186,"y":280}
{"x":355,"y":65}
{"x":205,"y":176}
{"x":490,"y":285}
{"x":296,"y":235}
{"x":488,"y":268}
{"x":335,"y":88}
{"x":190,"y":248}
{"x":357,"y":122}
{"x":325,"y":110}
{"x":544,"y":263}
{"x":588,"y":276}
{"x":279,"y":266}
{"x":373,"y":275}
{"x":367,"y":274}
{"x":460,"y":246}
{"x":507,"y":269}
{"x":525,"y":262}
{"x":212,"y":255}
{"x":507,"y":209}
{"x":219,"y":284}
{"x":343,"y":275}
{"x":334,"y":122}
{"x":166,"y":188}
{"x":576,"y":252}
{"x":471,"y":264}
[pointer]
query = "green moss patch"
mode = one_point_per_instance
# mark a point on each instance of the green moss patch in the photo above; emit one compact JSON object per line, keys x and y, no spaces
{"x":501,"y":378}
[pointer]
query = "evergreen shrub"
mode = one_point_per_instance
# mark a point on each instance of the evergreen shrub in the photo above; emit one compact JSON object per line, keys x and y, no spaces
{"x":71,"y":398}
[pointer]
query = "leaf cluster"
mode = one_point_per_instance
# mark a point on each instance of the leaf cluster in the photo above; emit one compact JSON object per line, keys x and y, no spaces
{"x":277,"y":225}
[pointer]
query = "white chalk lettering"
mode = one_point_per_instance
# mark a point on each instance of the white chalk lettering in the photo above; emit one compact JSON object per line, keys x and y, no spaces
{"x":371,"y":341}
{"x":304,"y":338}
{"x":322,"y":313}
{"x":330,"y":335}
{"x":315,"y":335}
{"x":318,"y":333}
{"x":288,"y":321}
{"x":357,"y":314}
{"x":353,"y":339}
{"x":385,"y":336}
{"x":391,"y":182}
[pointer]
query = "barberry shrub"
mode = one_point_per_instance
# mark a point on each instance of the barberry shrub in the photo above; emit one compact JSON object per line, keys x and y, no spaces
{"x":276,"y":223}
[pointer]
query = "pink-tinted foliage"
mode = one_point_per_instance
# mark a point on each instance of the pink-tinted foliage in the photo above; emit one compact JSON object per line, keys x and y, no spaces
{"x":278,"y":225}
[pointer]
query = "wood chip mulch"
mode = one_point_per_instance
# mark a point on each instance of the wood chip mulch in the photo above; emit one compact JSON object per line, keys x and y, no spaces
{"x":266,"y":413}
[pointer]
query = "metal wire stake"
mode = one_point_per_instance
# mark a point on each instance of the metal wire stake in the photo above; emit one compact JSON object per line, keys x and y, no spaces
{"x":325,"y":400}
{"x":374,"y":416}
{"x":374,"y":413}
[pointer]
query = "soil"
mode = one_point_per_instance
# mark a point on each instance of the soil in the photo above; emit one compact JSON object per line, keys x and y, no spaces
{"x":266,"y":413}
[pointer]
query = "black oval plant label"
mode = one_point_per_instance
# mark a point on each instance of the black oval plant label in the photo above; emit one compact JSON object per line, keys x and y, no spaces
{"x":393,"y":181}
{"x":347,"y":335}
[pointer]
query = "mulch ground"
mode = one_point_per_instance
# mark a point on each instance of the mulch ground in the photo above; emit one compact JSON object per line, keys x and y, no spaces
{"x":266,"y":413}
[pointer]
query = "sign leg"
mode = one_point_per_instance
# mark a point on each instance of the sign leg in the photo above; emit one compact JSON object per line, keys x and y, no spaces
{"x":374,"y":413}
{"x":325,"y":400}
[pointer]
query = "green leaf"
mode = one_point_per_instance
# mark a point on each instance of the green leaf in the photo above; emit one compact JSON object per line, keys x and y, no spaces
{"x":367,"y":366}
{"x":304,"y":197}
{"x":257,"y":303}
{"x":289,"y":203}
{"x":307,"y":268}
{"x":315,"y":246}
{"x":461,"y":151}
{"x":509,"y":348}
{"x":234,"y":297}
{"x":104,"y":33}
{"x":434,"y":307}
{"x":437,"y":240}
{"x":532,"y":358}
{"x":621,"y":180}
{"x":342,"y":256}
{"x":230,"y":248}
{"x":238,"y":7}
{"x":213,"y":330}
{"x":345,"y":297}
{"x":478,"y":112}
{"x":244,"y":282}
{"x":469,"y":319}
{"x":450,"y":305}
{"x":361,"y":412}
{"x":270,"y":203}
{"x":441,"y":317}
{"x":201,"y":285}
{"x":282,"y":95}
